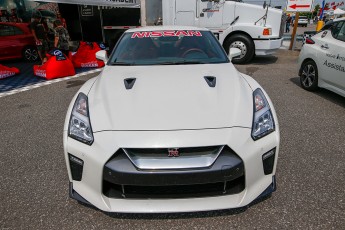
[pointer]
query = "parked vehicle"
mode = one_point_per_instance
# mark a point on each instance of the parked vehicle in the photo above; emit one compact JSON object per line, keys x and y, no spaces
{"x":327,"y":26}
{"x":322,"y":60}
{"x":303,"y":21}
{"x":251,"y":28}
{"x":17,"y":41}
{"x":330,"y":23}
{"x":170,"y":125}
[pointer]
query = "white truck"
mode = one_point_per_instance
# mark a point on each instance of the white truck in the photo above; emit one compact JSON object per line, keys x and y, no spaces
{"x":254,"y":29}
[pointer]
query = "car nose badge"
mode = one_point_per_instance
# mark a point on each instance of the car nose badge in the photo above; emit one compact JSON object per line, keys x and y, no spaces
{"x":173,"y":152}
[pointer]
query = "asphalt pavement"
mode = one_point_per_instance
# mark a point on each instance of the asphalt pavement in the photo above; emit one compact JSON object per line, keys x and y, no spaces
{"x":310,"y":173}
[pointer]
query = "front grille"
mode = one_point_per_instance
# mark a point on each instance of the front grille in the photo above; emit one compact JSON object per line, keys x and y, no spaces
{"x":163,"y":152}
{"x":179,"y":179}
{"x":176,"y":191}
{"x":173,"y":158}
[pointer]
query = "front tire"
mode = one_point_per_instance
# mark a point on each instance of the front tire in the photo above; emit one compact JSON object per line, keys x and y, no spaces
{"x":30,"y":54}
{"x":242,"y":42}
{"x":309,"y":76}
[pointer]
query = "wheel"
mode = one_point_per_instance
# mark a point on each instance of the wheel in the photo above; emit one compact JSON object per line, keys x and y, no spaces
{"x":309,"y":76}
{"x":193,"y":50}
{"x":242,"y":42}
{"x":30,"y":54}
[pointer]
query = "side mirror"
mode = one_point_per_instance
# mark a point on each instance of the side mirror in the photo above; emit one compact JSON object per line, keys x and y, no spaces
{"x":102,"y":55}
{"x":234,"y":52}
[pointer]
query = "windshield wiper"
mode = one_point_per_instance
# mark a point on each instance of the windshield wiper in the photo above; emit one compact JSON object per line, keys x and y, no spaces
{"x":122,"y":63}
{"x":181,"y":63}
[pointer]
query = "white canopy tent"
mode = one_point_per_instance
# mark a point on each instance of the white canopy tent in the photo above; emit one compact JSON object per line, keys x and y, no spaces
{"x":338,"y":11}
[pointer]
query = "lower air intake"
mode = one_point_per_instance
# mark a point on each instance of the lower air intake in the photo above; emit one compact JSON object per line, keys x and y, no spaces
{"x":177,"y":191}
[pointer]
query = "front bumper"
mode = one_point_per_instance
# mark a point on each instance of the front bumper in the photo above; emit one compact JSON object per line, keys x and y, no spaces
{"x":91,"y":187}
{"x":121,"y":179}
{"x":267,"y":47}
{"x":267,"y":192}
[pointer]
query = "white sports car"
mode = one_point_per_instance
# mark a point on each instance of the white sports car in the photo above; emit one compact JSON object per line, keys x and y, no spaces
{"x":170,"y":126}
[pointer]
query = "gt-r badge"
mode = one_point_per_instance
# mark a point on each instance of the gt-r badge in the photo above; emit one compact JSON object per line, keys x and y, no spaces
{"x":173,"y":152}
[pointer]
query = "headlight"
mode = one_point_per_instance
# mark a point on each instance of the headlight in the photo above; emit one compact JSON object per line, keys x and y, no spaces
{"x":263,"y":122}
{"x":79,"y":123}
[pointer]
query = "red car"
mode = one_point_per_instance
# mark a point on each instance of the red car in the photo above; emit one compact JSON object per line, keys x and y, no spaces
{"x":17,"y":41}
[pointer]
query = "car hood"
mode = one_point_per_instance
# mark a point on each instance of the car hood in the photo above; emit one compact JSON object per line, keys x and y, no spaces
{"x":170,"y":97}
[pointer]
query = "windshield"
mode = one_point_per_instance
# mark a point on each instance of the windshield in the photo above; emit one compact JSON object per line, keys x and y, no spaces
{"x":328,"y":25}
{"x":170,"y":47}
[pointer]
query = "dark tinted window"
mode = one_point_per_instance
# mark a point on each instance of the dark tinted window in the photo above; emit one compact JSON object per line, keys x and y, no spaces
{"x":328,"y":25}
{"x":338,"y":31}
{"x":17,"y":31}
{"x":6,"y":30}
{"x":168,"y":47}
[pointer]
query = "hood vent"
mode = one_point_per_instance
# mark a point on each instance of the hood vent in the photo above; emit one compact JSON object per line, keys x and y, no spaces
{"x":211,"y":81}
{"x":129,"y":82}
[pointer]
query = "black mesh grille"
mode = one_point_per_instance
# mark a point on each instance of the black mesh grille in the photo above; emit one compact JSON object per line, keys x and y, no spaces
{"x":177,"y":191}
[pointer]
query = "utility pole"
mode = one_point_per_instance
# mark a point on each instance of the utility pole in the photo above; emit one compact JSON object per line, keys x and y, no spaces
{"x":294,"y":31}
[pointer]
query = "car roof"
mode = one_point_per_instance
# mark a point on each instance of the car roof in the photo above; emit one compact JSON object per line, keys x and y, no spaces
{"x":330,"y":22}
{"x":160,"y":28}
{"x":338,"y":19}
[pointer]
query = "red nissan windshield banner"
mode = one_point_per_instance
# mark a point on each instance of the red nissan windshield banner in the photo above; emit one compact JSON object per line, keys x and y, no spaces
{"x":168,"y":33}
